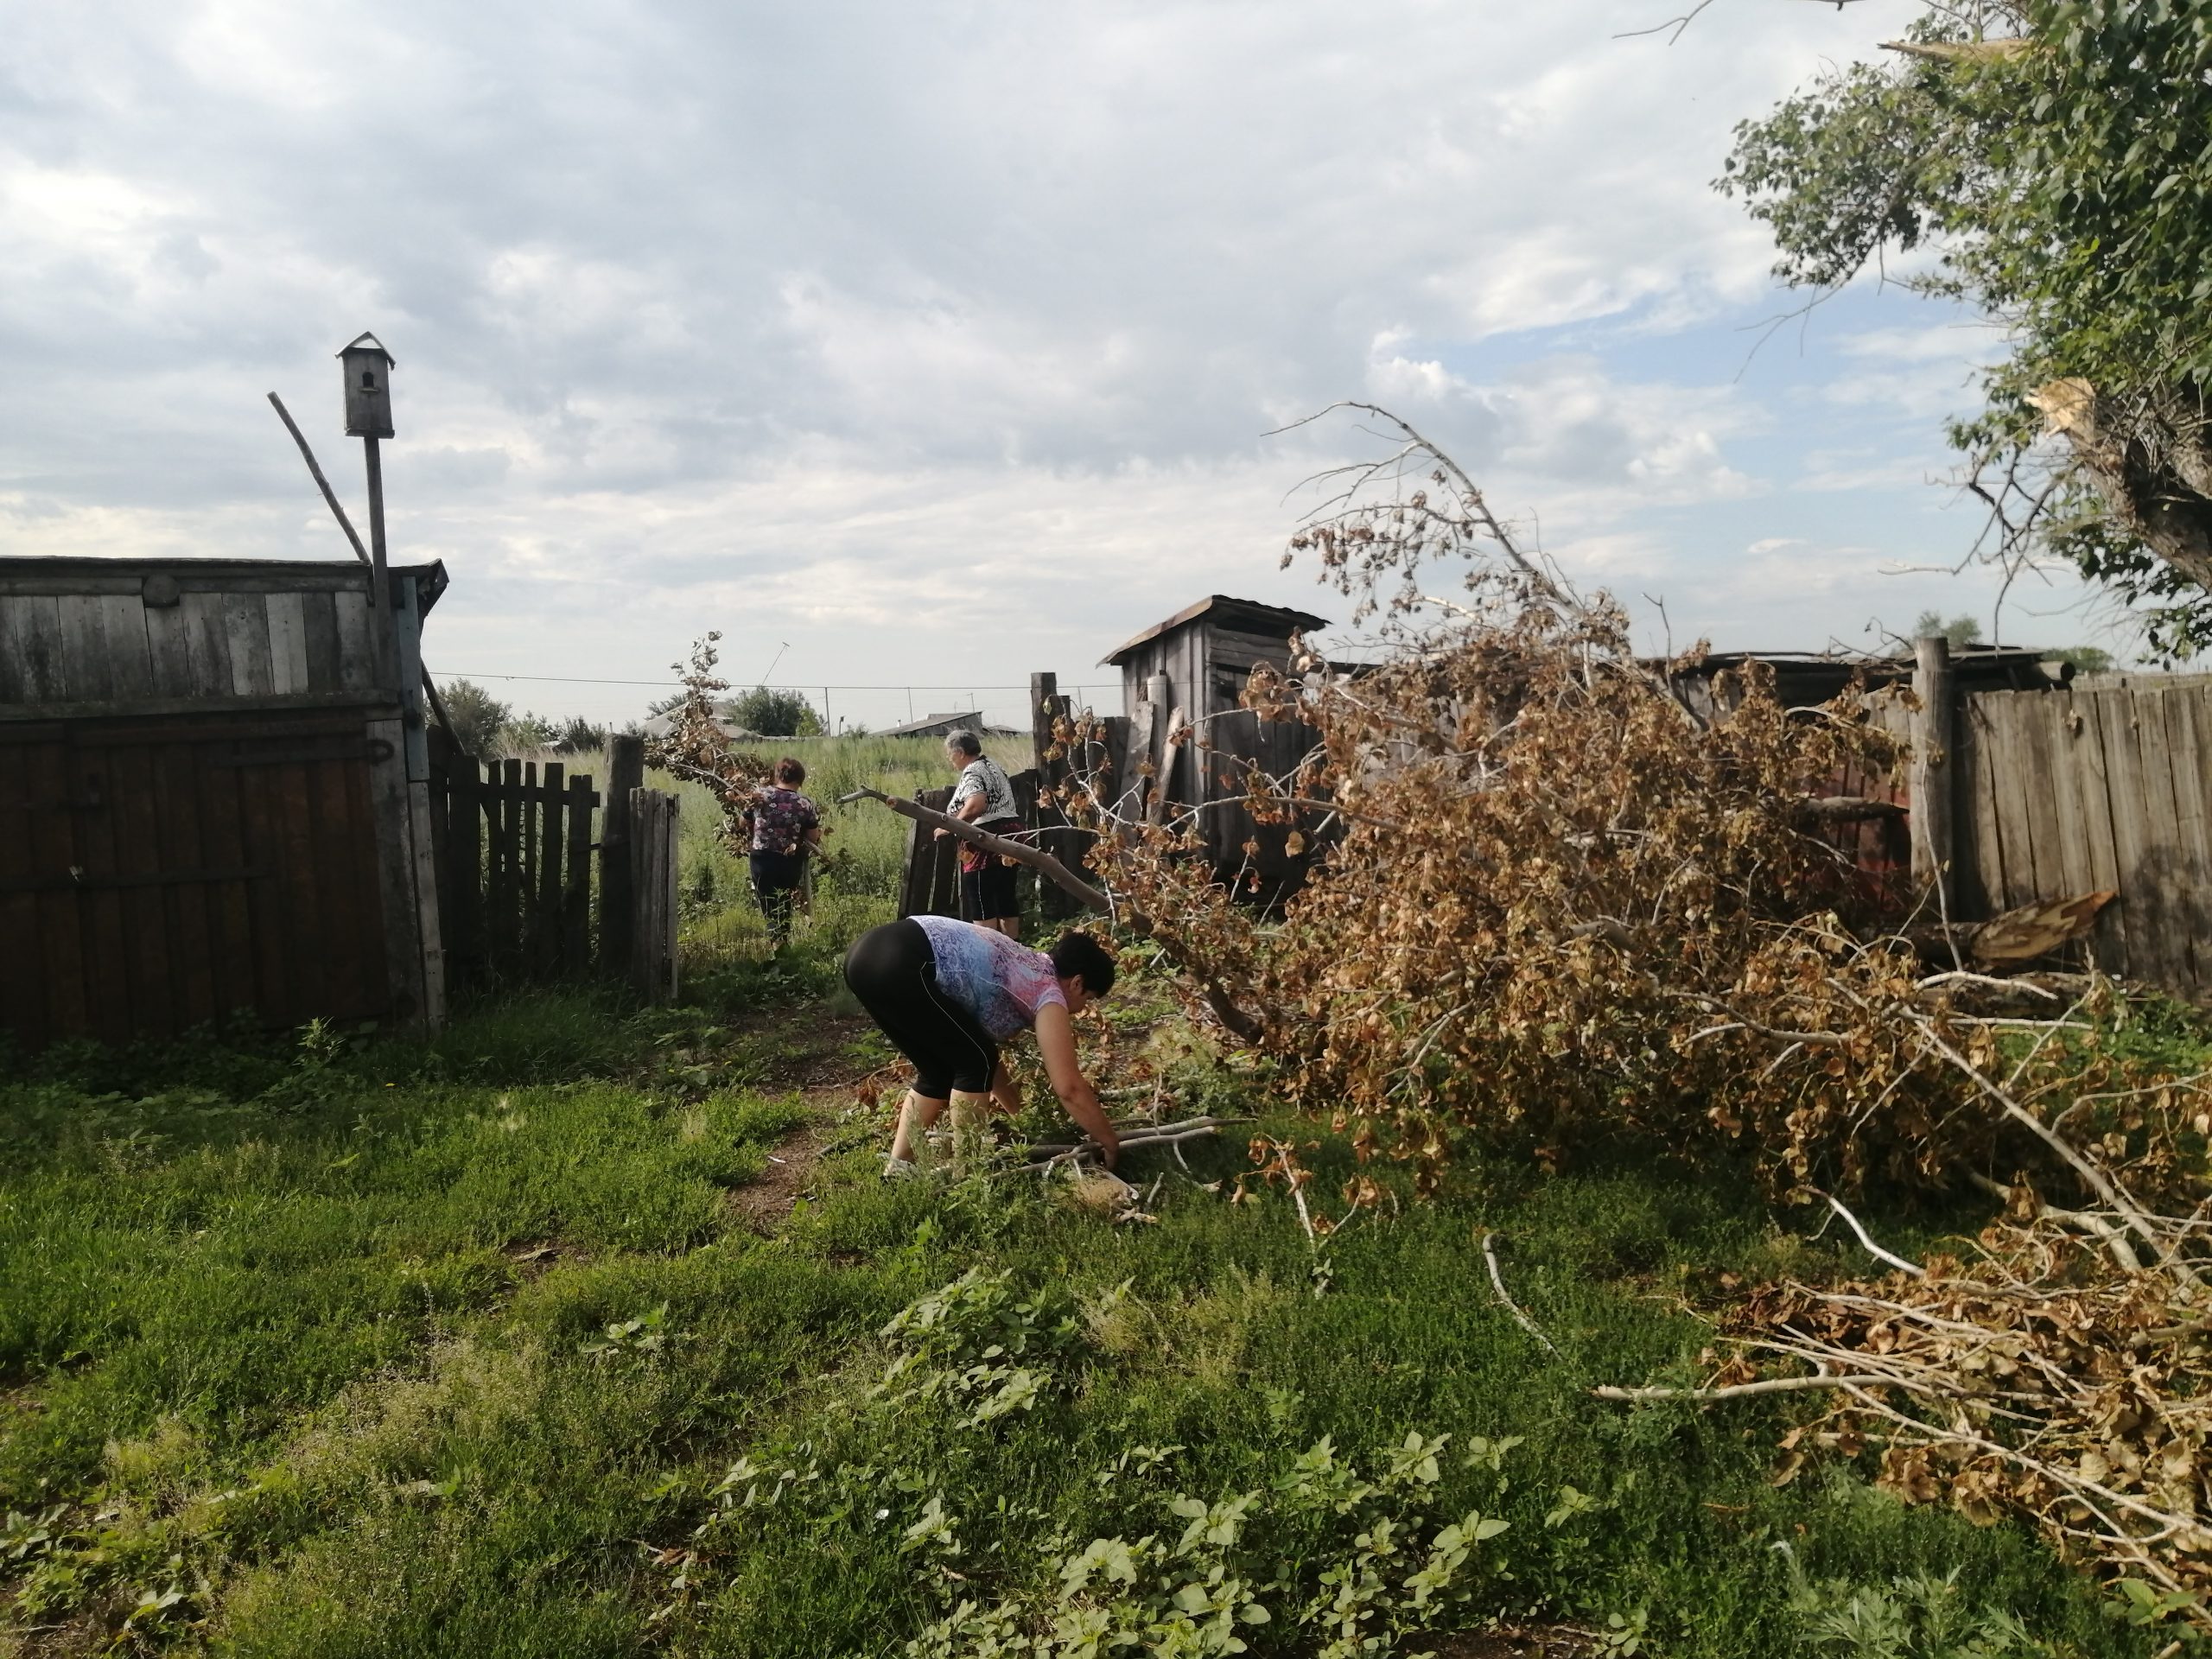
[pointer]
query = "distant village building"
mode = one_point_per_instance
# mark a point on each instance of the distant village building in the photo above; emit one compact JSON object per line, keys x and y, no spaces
{"x":946,"y":725}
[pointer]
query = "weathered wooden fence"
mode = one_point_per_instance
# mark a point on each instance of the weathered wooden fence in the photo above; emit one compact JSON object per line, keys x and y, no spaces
{"x":514,"y":844}
{"x":931,"y":883}
{"x":2065,"y":792}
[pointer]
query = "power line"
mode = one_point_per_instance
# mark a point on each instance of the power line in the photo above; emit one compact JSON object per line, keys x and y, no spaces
{"x":818,"y":685}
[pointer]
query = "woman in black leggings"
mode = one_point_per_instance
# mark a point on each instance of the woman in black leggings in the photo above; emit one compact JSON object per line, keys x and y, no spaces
{"x":947,"y":994}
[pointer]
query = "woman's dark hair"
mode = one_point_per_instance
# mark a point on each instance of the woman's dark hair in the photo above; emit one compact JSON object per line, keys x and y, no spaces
{"x":791,"y":773}
{"x":1079,"y":954}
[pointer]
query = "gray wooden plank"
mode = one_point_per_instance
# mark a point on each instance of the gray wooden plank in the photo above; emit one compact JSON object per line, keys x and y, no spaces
{"x":2124,"y":789}
{"x":318,"y":616}
{"x":130,"y":662}
{"x":356,"y":656}
{"x":38,"y":648}
{"x":2062,"y":747}
{"x":288,"y":642}
{"x":13,"y":673}
{"x":245,"y":632}
{"x":168,"y":650}
{"x":1980,"y":858}
{"x":407,"y":629}
{"x":2037,"y":773}
{"x":427,"y":930}
{"x":2016,"y":864}
{"x":84,"y":648}
{"x":207,"y":645}
{"x":2189,"y":727}
{"x":2165,"y":884}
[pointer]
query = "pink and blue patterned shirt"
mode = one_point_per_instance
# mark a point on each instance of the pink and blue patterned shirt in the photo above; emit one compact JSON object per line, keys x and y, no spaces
{"x":1000,"y":982}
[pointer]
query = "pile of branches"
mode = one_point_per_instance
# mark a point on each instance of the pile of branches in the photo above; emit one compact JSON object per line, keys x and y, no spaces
{"x":1557,"y":902}
{"x":1555,"y":897}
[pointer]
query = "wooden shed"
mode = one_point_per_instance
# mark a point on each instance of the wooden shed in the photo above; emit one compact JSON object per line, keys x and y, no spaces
{"x":1191,"y":670}
{"x":213,"y":797}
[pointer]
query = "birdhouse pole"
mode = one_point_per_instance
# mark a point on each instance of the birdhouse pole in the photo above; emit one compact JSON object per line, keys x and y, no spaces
{"x":368,"y":417}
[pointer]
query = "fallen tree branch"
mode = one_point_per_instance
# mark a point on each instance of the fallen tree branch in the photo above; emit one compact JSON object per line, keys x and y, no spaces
{"x":1497,"y":1283}
{"x":1768,"y":1385}
{"x":1872,"y":1249}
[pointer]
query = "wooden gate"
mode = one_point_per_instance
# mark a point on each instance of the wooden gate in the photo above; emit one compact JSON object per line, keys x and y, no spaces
{"x":157,"y":874}
{"x":514,"y":870}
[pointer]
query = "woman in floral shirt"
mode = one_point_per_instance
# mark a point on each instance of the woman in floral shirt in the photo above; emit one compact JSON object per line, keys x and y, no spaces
{"x":782,"y":826}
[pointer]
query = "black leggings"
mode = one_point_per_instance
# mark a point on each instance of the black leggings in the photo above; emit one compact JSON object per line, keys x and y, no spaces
{"x":893,"y":971}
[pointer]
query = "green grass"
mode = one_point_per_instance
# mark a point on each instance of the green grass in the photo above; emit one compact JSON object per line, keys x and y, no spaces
{"x":275,"y":1331}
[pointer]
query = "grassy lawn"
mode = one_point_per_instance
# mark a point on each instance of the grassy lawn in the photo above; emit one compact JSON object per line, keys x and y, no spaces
{"x":478,"y":1347}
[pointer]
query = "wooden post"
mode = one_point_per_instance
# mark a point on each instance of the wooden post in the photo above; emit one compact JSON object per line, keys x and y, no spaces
{"x":379,"y":577}
{"x":625,"y":773}
{"x":1155,"y":748}
{"x":1933,"y":800}
{"x":552,"y":920}
{"x":1046,"y":706}
{"x":653,"y":878}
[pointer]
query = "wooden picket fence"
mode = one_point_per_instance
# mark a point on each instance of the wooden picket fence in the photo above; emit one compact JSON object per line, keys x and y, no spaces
{"x":514,"y":847}
{"x":930,"y":884}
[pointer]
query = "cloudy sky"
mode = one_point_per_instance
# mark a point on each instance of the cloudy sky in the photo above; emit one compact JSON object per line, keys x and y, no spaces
{"x":931,"y":344}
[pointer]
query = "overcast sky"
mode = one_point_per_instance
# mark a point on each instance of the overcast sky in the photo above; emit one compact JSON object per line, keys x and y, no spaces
{"x":938,"y":342}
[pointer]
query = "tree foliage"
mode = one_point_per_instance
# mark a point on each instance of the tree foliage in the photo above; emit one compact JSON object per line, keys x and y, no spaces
{"x":478,"y":717}
{"x":2052,"y":157}
{"x":774,"y":711}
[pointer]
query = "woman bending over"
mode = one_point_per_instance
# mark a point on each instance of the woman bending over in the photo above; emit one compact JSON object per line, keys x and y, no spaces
{"x":947,"y":994}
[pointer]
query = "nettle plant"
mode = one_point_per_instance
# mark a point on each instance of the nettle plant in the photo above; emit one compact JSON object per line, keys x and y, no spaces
{"x":1337,"y":1560}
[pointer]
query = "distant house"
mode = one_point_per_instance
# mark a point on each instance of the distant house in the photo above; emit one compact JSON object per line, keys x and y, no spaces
{"x":946,"y":725}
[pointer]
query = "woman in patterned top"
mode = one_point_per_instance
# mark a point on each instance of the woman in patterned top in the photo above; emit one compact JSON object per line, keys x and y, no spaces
{"x":782,"y":827}
{"x":947,"y":994}
{"x":984,"y":797}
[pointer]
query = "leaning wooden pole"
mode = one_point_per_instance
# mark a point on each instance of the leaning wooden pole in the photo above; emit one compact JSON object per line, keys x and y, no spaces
{"x":1238,"y":1021}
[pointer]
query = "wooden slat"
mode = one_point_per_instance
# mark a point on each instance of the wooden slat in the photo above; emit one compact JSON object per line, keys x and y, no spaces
{"x":2107,"y":940}
{"x":137,"y":851}
{"x":365,"y":879}
{"x":12,"y":675}
{"x":575,"y":899}
{"x":187,"y":922}
{"x":653,"y":867}
{"x":2188,"y":729}
{"x":2073,"y":874}
{"x":318,"y":625}
{"x":130,"y":666}
{"x":2165,"y":876}
{"x":2009,"y":747}
{"x":354,"y":983}
{"x":22,"y":988}
{"x":84,"y":649}
{"x":207,"y":645}
{"x":514,"y":871}
{"x":37,"y":636}
{"x":237,"y":963}
{"x":245,"y":635}
{"x":107,"y":980}
{"x":2130,"y":831}
{"x":288,"y":644}
{"x":2038,"y":775}
{"x":526,"y":872}
{"x":551,"y":846}
{"x":169,"y":649}
{"x":62,"y":932}
{"x":356,"y":656}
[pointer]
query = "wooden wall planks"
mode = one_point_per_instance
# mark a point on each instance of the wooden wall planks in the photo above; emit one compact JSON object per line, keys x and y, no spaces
{"x":2106,"y":790}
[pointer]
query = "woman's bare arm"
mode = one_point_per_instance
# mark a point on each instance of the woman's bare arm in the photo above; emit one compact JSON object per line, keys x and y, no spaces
{"x":1056,"y":1043}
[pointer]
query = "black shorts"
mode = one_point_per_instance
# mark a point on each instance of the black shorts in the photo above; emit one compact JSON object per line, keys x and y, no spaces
{"x":892,"y":970}
{"x":988,"y":894}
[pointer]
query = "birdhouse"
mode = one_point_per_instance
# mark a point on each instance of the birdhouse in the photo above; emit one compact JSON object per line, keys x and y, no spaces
{"x":368,"y":388}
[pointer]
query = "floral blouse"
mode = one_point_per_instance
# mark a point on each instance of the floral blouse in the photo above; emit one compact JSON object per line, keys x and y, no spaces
{"x":779,"y":820}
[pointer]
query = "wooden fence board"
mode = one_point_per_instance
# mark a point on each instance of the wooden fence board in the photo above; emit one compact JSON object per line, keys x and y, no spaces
{"x":550,"y":846}
{"x":2108,"y":939}
{"x":1981,"y":854}
{"x":2189,"y":726}
{"x":2039,"y":776}
{"x":575,"y":899}
{"x":2166,"y":873}
{"x":653,"y":874}
{"x":2131,"y":841}
{"x":123,"y":629}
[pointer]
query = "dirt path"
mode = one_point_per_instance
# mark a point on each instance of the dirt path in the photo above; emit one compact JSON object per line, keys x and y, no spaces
{"x":827,"y":1078}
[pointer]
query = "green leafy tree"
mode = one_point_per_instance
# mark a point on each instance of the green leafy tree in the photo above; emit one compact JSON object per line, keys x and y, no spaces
{"x":2052,"y":156}
{"x":773,"y":712}
{"x":1961,"y":629}
{"x":478,"y":717}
